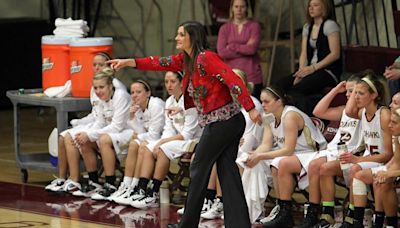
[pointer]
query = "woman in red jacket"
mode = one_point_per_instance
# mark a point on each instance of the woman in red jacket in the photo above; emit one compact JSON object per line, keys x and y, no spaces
{"x":209,"y":85}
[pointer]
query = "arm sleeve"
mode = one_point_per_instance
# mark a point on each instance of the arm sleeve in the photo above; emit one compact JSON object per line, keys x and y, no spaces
{"x":90,"y":118}
{"x":121,"y":103}
{"x":156,"y":63}
{"x":305,"y":30}
{"x":247,"y":49}
{"x":191,"y":124}
{"x":156,"y":123}
{"x":99,"y":122}
{"x":213,"y":65}
{"x":169,"y":129}
{"x":136,"y":125}
{"x":330,"y":26}
{"x":222,"y":44}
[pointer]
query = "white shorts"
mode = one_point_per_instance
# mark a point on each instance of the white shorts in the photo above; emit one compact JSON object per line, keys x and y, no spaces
{"x":305,"y":159}
{"x":74,"y":131}
{"x":369,"y":165}
{"x":121,"y":141}
{"x":331,"y":155}
{"x":172,"y":149}
{"x":375,"y":170}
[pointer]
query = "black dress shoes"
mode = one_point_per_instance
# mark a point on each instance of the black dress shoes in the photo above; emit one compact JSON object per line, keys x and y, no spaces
{"x":172,"y":225}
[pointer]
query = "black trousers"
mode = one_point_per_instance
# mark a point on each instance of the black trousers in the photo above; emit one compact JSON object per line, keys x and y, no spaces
{"x":219,"y":143}
{"x":308,"y":92}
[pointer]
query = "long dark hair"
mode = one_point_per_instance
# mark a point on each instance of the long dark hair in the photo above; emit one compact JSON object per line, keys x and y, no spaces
{"x":198,"y":40}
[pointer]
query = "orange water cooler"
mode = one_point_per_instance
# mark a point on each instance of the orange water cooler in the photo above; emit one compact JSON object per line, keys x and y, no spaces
{"x":55,"y":61}
{"x":82,"y":51}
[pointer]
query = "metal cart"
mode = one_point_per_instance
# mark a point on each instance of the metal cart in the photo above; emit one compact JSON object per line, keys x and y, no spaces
{"x":40,"y":161}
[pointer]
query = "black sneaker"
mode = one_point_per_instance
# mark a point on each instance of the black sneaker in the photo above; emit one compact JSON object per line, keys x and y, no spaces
{"x":104,"y":193}
{"x":325,"y":221}
{"x":284,"y":219}
{"x":88,"y":189}
{"x":310,"y":220}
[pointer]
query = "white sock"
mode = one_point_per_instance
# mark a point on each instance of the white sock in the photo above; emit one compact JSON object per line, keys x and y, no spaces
{"x":135,"y":182}
{"x":127,"y":180}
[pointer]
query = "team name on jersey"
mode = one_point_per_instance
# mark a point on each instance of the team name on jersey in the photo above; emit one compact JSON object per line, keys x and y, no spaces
{"x":278,"y":139}
{"x":351,"y":123}
{"x":372,"y":134}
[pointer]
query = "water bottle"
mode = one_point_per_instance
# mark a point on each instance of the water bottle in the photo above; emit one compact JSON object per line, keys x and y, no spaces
{"x":342,"y":148}
{"x":345,"y":167}
{"x":164,"y":192}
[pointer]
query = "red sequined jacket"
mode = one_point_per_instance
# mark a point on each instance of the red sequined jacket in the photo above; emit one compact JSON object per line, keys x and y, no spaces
{"x":213,"y":81}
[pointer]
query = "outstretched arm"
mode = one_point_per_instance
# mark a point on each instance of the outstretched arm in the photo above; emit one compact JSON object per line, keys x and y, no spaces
{"x":155,"y":63}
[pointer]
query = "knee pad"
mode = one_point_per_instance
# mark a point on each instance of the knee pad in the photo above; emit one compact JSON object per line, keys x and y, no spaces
{"x":359,"y":188}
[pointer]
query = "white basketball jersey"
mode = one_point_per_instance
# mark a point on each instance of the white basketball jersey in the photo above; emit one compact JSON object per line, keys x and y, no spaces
{"x":349,"y":132}
{"x":309,"y":137}
{"x":372,"y":133}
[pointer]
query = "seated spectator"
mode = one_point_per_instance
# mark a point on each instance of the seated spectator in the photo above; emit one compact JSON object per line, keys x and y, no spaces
{"x":320,"y":64}
{"x":392,"y":74}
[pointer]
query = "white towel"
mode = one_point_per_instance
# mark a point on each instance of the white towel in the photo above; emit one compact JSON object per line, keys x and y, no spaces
{"x":69,"y":34}
{"x":241,"y":159}
{"x":71,"y":28}
{"x":80,"y":27}
{"x":69,"y":21}
{"x":255,"y":186}
{"x":59,"y":91}
{"x":66,"y":30}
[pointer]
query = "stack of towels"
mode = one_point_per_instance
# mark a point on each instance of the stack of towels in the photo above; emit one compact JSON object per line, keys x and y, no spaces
{"x":71,"y":28}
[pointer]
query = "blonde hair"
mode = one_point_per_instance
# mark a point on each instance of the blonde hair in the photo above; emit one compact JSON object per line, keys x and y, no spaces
{"x":243,"y":76}
{"x":107,"y":73}
{"x":397,"y":112}
{"x":248,"y":15}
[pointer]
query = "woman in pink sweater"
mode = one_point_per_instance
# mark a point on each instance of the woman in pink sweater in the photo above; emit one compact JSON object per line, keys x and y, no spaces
{"x":238,"y":41}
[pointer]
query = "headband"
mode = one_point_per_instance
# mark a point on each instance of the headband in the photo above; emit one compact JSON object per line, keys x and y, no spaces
{"x":105,"y":55}
{"x":370,"y":84}
{"x":145,"y":84}
{"x":180,"y":74}
{"x":273,"y":92}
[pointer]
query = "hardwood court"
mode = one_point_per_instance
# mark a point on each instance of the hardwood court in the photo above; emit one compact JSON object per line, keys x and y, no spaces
{"x":29,"y":205}
{"x":23,"y":205}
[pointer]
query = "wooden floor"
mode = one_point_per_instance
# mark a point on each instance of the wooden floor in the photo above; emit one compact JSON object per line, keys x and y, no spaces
{"x":23,"y":205}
